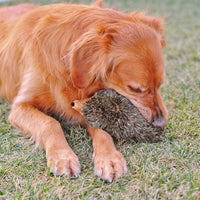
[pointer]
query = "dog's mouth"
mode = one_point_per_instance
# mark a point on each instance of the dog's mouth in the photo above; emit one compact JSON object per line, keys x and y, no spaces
{"x":145,"y":111}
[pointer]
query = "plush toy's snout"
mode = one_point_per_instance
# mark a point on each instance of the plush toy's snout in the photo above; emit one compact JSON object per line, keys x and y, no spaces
{"x":78,"y":105}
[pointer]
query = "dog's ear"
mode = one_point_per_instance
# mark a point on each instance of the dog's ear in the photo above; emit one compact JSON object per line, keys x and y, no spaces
{"x":154,"y":22}
{"x":157,"y":24}
{"x":88,"y":57}
{"x":98,"y":3}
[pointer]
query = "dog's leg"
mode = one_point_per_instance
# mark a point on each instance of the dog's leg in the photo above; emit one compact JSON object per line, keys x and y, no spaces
{"x":47,"y":132}
{"x":109,"y":163}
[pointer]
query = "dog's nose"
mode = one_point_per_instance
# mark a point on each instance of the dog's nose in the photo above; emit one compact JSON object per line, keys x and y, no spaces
{"x":160,"y":122}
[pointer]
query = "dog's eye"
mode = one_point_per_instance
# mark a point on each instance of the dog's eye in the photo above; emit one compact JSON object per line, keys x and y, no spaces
{"x":134,"y":89}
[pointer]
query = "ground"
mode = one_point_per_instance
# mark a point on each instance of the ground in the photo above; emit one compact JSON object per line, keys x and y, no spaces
{"x":169,"y":169}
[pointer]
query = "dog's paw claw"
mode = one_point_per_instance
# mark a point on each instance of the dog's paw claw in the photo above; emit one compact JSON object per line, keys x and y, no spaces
{"x":63,"y":162}
{"x":109,"y":166}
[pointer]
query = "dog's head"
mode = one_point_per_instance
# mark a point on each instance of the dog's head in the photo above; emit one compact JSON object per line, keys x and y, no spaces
{"x":126,"y":56}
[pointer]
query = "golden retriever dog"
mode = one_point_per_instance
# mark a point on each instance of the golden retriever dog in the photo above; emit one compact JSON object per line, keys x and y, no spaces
{"x":54,"y":54}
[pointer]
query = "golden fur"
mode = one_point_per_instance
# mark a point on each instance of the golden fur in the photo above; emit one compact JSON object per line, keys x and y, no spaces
{"x":52,"y":55}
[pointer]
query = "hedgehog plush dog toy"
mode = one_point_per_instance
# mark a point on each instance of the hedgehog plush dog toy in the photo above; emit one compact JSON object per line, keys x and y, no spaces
{"x":115,"y":114}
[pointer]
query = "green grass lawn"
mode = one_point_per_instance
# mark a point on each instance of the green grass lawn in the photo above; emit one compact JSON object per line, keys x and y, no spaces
{"x":169,"y":169}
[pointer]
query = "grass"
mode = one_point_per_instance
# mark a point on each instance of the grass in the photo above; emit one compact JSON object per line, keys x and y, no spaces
{"x":169,"y":169}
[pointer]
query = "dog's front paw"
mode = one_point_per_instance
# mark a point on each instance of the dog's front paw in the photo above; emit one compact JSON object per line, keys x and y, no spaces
{"x":63,"y":162}
{"x":109,"y":166}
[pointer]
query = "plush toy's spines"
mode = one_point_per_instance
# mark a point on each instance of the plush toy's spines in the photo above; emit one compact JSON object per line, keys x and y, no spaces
{"x":115,"y":114}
